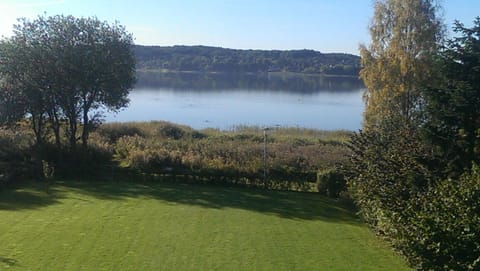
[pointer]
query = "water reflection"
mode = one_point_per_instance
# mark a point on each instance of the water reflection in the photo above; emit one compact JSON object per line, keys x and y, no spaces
{"x":286,"y":82}
{"x":225,"y":100}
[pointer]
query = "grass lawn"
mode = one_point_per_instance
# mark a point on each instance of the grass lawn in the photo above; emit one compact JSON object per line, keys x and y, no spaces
{"x":133,"y":226}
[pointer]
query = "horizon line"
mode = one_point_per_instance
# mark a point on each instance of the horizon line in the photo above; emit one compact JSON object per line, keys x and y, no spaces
{"x":242,"y":49}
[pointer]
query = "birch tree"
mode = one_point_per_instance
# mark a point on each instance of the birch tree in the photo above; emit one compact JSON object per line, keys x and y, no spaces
{"x":405,"y":35}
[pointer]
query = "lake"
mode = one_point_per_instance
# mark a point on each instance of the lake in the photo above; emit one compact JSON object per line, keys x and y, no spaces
{"x":223,"y":101}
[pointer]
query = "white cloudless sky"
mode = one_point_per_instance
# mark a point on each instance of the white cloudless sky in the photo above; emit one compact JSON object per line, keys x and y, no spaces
{"x":323,"y":25}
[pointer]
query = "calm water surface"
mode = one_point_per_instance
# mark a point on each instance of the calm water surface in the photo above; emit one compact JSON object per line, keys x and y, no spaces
{"x":227,"y":100}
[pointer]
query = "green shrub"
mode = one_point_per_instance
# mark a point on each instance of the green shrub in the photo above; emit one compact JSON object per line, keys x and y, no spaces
{"x":331,"y":182}
{"x":385,"y":172}
{"x":16,"y":155}
{"x":441,"y":228}
{"x":248,"y":137}
{"x":435,"y":224}
{"x":145,"y":155}
{"x":171,"y":131}
{"x":125,"y":148}
{"x":198,"y":135}
{"x":115,"y":131}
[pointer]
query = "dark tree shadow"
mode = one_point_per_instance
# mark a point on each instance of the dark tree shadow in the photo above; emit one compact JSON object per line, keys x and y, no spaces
{"x":30,"y":197}
{"x":8,"y":261}
{"x":292,"y":205}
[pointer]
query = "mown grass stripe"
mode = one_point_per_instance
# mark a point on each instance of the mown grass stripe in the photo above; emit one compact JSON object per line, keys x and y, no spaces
{"x":131,"y":226}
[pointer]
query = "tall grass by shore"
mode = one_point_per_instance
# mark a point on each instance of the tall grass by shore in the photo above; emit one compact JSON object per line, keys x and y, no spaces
{"x":289,"y":158}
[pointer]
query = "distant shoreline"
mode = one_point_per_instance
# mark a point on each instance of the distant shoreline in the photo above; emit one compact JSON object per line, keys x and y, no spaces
{"x":252,"y":73}
{"x":217,"y":59}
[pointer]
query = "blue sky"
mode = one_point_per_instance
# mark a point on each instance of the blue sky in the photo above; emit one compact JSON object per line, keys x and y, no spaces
{"x":323,"y":25}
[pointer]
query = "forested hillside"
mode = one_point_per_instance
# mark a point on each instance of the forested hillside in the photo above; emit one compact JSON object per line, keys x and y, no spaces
{"x":216,"y":59}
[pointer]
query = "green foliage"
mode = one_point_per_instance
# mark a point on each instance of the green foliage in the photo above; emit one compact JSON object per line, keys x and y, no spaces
{"x":11,"y":108}
{"x":171,"y":131}
{"x":418,"y":134}
{"x":453,"y":109}
{"x":16,"y":162}
{"x":24,"y":75}
{"x":63,"y":70}
{"x":139,"y":154}
{"x":114,"y":131}
{"x":436,"y":226}
{"x":398,"y":62}
{"x":331,"y":182}
{"x":14,"y":145}
{"x":214,"y":59}
{"x":386,"y":171}
{"x":439,"y":230}
{"x":433,"y":223}
{"x":159,"y":148}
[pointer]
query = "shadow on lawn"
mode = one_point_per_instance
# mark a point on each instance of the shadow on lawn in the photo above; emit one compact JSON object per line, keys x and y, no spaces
{"x":31,"y":197}
{"x":8,"y":261}
{"x":292,"y":205}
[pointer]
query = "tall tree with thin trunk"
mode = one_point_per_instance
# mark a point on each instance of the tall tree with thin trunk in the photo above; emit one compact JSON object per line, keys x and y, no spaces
{"x":388,"y":160}
{"x":405,"y":35}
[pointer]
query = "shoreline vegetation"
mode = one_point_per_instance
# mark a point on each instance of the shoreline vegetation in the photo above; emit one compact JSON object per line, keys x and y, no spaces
{"x":279,"y":73}
{"x":289,"y":158}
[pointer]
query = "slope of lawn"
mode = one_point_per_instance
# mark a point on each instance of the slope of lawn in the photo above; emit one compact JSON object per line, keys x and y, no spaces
{"x":148,"y":226}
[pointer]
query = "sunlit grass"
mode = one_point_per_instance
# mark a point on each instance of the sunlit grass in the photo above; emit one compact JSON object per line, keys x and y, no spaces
{"x":286,"y":133}
{"x":133,"y":226}
{"x":275,"y":132}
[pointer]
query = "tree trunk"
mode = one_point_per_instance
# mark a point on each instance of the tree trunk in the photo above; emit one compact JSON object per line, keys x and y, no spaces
{"x":55,"y":122}
{"x":86,"y":128}
{"x":87,"y":104}
{"x":37,"y":125}
{"x":72,"y":133}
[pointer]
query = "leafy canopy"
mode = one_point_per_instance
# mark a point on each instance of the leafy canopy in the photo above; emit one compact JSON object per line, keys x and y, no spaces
{"x":405,"y":36}
{"x":62,"y":67}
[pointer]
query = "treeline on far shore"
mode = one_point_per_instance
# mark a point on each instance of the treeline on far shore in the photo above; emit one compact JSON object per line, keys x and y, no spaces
{"x":217,"y":59}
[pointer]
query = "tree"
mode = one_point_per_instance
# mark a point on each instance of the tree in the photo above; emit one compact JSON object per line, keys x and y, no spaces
{"x":453,"y":109}
{"x":422,"y":189}
{"x":390,"y":163}
{"x":405,"y":36}
{"x":11,"y":109}
{"x":387,"y":171}
{"x":69,"y":68}
{"x":23,"y":79}
{"x":440,"y":228}
{"x":100,"y":67}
